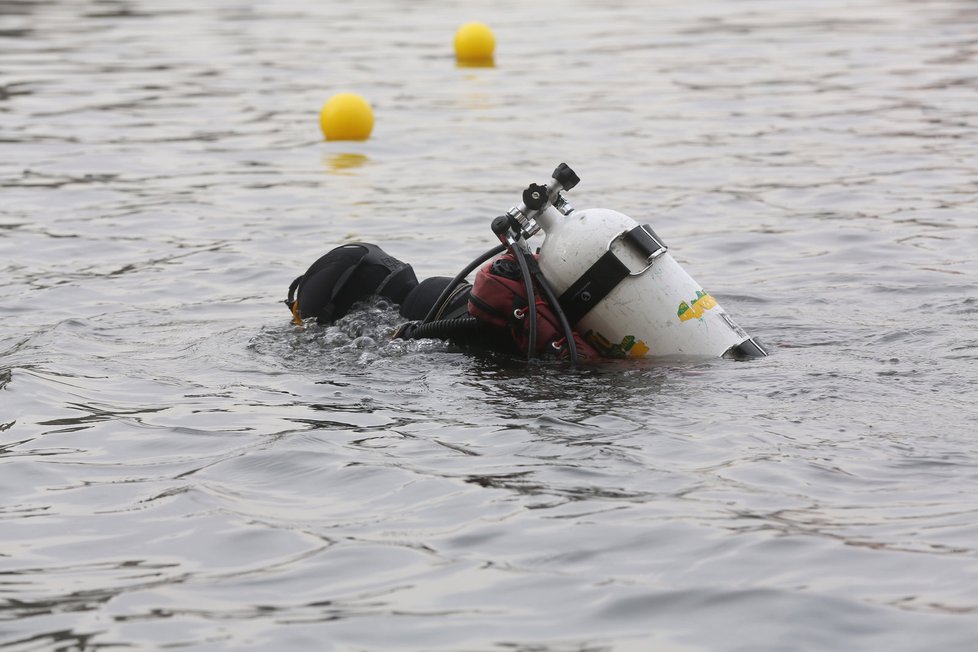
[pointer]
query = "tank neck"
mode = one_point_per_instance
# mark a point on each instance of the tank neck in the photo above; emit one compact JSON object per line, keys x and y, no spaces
{"x":549,"y":218}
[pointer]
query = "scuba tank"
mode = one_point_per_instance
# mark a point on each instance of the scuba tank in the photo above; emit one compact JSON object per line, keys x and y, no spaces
{"x":654,"y":309}
{"x":615,"y":281}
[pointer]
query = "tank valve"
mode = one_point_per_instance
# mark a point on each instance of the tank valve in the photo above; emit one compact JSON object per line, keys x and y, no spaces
{"x":565,"y":176}
{"x":562,"y":205}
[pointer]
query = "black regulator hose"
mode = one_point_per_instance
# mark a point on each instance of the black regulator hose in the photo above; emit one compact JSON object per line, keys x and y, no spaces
{"x":445,"y":328}
{"x":442,"y":329}
{"x":450,"y":288}
{"x":500,"y":226}
{"x":551,"y":297}
{"x":531,"y":299}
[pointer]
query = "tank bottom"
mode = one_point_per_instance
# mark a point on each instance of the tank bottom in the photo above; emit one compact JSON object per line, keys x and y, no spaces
{"x":746,"y":350}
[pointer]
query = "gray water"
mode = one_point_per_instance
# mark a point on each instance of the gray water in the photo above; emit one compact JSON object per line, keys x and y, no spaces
{"x":182,"y":468}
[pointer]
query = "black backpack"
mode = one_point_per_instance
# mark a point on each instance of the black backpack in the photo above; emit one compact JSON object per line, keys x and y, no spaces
{"x":344,"y":276}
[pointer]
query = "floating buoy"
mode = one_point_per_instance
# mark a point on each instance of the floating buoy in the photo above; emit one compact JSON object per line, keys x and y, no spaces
{"x":474,"y":44}
{"x":346,"y":116}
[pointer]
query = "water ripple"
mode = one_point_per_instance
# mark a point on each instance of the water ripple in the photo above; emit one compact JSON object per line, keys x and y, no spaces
{"x":183,"y":466}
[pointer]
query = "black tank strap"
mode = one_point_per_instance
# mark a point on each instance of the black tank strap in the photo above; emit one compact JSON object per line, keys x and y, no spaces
{"x":593,"y":286}
{"x":645,"y":241}
{"x":607,"y":272}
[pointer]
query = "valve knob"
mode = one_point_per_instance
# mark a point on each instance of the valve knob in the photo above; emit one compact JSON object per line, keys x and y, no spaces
{"x":566,"y":177}
{"x":535,"y":197}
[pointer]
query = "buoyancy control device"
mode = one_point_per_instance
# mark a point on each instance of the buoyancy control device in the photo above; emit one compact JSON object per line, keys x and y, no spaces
{"x":499,"y":297}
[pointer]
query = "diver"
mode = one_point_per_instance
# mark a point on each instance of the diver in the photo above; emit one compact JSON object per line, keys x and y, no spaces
{"x":600,"y":286}
{"x":495,"y":317}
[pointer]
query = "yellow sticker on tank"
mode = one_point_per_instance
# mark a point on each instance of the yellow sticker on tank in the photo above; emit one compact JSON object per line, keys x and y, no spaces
{"x":697,"y":307}
{"x":629,"y":346}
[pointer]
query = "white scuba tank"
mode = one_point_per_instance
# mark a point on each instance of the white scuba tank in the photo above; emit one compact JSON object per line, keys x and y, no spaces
{"x":657,"y":310}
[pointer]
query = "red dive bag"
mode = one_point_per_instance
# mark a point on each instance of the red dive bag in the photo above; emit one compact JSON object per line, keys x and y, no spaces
{"x":498,"y":297}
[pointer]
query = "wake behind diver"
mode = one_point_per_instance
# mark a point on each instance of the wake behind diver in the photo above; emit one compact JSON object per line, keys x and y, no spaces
{"x":600,"y":286}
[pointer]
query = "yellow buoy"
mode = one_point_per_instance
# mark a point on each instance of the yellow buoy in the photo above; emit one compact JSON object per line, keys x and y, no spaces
{"x":346,"y":116}
{"x":474,"y":43}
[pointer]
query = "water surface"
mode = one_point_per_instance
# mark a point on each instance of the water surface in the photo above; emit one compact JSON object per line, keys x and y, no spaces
{"x":180,"y":467}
